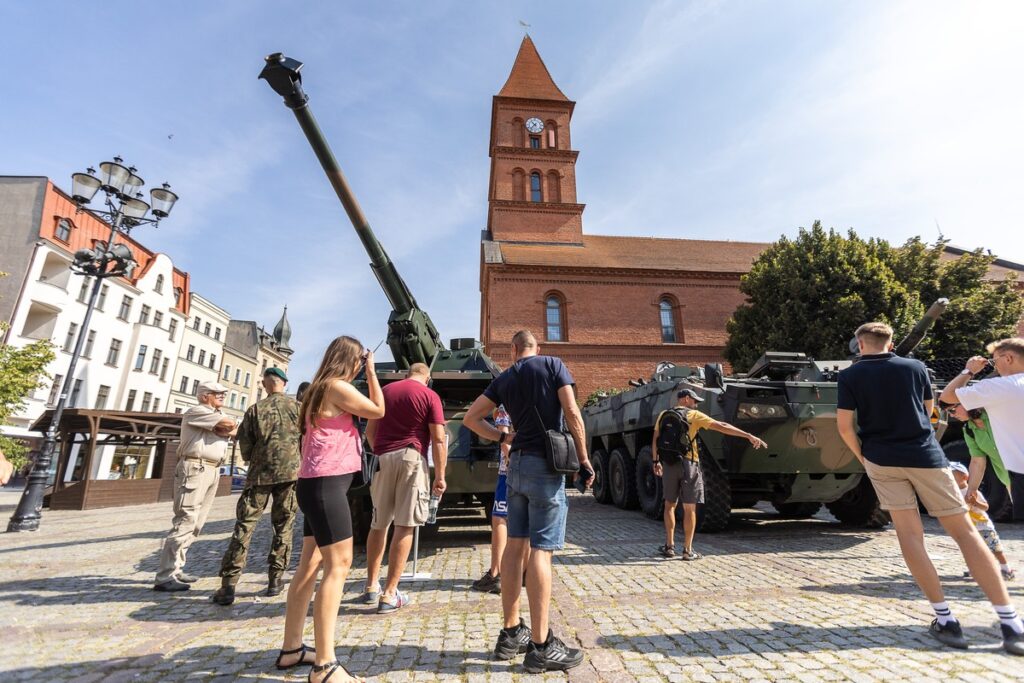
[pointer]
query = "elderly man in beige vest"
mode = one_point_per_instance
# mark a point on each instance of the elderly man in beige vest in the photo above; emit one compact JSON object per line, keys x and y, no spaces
{"x":205,"y":431}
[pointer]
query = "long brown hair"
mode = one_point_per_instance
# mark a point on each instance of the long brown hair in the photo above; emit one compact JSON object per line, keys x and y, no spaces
{"x":342,"y":360}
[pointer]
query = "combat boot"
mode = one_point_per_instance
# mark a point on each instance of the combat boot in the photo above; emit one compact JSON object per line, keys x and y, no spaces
{"x":225,"y":595}
{"x":275,"y":585}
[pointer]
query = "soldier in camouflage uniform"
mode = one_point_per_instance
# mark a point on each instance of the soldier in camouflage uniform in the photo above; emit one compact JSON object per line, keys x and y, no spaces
{"x":269,"y":442}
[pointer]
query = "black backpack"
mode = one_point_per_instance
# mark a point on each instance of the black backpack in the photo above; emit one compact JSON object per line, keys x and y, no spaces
{"x":673,"y":435}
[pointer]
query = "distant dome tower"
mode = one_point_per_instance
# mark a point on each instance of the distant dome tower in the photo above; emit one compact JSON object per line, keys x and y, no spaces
{"x":283,"y":333}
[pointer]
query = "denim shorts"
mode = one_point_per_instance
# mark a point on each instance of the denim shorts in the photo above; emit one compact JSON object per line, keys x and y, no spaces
{"x":536,"y":502}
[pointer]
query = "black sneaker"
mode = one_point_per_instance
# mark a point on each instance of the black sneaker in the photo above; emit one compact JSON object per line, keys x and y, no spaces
{"x":488,"y":583}
{"x":554,"y":655}
{"x":951,"y":634}
{"x":511,"y":645}
{"x":1013,"y":642}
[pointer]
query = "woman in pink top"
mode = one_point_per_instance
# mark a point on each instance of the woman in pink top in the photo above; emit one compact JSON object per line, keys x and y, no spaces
{"x":330,"y":456}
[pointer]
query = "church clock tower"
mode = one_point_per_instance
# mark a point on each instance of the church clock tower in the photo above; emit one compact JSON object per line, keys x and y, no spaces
{"x":532,"y":193}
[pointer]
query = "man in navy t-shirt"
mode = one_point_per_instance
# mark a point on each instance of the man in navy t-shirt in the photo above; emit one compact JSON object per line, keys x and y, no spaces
{"x":883,"y":412}
{"x":537,"y":392}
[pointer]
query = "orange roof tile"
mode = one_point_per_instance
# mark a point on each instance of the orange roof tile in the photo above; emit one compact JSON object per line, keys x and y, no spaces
{"x":649,"y":253}
{"x":530,"y":78}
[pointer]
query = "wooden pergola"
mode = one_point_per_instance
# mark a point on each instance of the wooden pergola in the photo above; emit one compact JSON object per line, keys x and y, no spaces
{"x":95,"y":428}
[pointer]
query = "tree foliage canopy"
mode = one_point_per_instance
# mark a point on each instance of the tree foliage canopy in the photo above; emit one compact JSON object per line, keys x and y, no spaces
{"x":810,"y":293}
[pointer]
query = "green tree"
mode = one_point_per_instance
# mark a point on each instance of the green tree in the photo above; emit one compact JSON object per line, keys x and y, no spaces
{"x":22,"y":371}
{"x":809,"y":294}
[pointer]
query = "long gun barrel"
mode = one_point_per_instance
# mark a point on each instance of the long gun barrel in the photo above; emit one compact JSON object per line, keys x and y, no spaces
{"x":411,"y":334}
{"x":917,"y":334}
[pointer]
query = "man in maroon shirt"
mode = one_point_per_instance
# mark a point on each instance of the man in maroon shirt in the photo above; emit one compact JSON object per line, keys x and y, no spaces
{"x":413,"y":419}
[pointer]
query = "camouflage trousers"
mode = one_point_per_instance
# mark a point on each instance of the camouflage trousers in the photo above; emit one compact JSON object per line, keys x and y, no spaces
{"x":251,"y":505}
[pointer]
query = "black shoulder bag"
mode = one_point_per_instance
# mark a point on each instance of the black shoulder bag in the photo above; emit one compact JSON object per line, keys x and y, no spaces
{"x":559,"y":448}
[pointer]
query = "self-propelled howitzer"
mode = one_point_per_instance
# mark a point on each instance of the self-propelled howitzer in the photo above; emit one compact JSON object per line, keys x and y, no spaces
{"x":458,"y":374}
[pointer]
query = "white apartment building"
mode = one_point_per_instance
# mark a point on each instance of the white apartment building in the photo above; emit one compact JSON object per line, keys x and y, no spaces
{"x":201,"y":352}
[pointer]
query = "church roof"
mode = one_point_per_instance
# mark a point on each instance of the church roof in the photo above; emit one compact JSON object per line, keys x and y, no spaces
{"x":529,"y":78}
{"x":648,"y":253}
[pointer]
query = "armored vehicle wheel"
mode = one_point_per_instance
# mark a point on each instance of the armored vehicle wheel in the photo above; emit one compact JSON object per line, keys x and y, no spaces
{"x":713,"y":515}
{"x":859,"y":507}
{"x":648,"y":485}
{"x":1000,"y":507}
{"x":602,"y":485}
{"x":622,"y":479}
{"x":796,"y":510}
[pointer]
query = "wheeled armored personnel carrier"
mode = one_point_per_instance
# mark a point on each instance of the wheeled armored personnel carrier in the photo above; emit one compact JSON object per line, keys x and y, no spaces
{"x":458,"y":374}
{"x":787,"y":399}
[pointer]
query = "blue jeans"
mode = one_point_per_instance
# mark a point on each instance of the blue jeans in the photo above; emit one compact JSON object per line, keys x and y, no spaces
{"x":536,"y":501}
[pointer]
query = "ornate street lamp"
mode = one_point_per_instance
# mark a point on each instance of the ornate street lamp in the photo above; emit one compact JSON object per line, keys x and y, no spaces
{"x":124,"y":210}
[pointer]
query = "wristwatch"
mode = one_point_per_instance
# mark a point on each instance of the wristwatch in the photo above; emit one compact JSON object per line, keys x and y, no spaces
{"x":501,"y":439}
{"x":965,"y":371}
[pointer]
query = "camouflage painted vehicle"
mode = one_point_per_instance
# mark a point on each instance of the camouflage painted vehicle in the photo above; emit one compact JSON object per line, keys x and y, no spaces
{"x":787,"y":399}
{"x":458,"y":374}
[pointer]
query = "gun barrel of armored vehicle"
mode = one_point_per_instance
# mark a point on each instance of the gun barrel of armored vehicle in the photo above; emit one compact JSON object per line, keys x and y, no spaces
{"x":916,"y":336}
{"x":412,"y":336}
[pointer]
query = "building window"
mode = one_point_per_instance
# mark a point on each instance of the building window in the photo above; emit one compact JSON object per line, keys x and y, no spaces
{"x":83,"y":291}
{"x":216,"y":334}
{"x":177,"y":300}
{"x":154,"y":365}
{"x":666,"y":311}
{"x":535,"y":195}
{"x":130,"y":403}
{"x":554,"y":320}
{"x":238,"y":375}
{"x":55,"y":271}
{"x":202,"y":356}
{"x":40,"y":322}
{"x":183,"y":387}
{"x":259,"y":394}
{"x":156,"y":404}
{"x":51,"y":400}
{"x":241,"y":402}
{"x":101,"y":397}
{"x":551,"y":130}
{"x":191,"y":352}
{"x":140,"y":360}
{"x":69,"y":341}
{"x":77,"y":389}
{"x":159,"y":286}
{"x":114,"y":352}
{"x":144,"y":314}
{"x":264,"y":369}
{"x":195,"y":323}
{"x":102,"y":300}
{"x":195,"y":387}
{"x":147,"y":400}
{"x":232,"y":399}
{"x":518,"y":131}
{"x":248,"y":379}
{"x":89,"y":341}
{"x":534,"y":142}
{"x":63,"y":232}
{"x":126,"y":308}
{"x":163,"y":369}
{"x":554,"y":185}
{"x":158,"y":319}
{"x":206,"y":329}
{"x":172,"y":328}
{"x":227,"y":371}
{"x":519,"y":185}
{"x":213,"y":361}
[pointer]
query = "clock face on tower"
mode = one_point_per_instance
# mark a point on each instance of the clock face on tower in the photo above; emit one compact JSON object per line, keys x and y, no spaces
{"x":534,"y":125}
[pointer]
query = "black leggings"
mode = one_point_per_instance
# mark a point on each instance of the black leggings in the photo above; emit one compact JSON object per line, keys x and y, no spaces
{"x":325,"y":510}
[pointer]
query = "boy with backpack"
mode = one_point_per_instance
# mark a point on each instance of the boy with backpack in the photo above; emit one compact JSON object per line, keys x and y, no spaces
{"x":676,"y":457}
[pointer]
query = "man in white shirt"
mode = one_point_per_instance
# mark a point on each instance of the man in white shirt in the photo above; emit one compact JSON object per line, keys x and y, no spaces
{"x":1002,"y":397}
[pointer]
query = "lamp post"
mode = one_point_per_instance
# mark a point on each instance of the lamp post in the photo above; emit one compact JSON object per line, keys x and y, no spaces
{"x":124,"y":209}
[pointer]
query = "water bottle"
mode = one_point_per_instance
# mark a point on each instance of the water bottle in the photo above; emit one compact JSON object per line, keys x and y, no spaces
{"x":435,"y":502}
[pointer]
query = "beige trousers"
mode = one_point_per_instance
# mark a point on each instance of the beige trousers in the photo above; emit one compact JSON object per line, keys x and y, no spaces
{"x":195,"y":485}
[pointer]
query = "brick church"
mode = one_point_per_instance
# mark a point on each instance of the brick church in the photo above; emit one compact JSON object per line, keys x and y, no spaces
{"x":610,"y":307}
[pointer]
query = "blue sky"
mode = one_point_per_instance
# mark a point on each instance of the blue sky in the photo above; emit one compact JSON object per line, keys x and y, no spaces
{"x":717,"y":120}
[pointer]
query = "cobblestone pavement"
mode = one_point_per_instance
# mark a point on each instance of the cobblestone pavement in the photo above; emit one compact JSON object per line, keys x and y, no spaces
{"x":773,"y":600}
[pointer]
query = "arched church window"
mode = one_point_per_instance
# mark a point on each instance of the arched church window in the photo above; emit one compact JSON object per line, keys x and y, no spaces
{"x":551,"y":130}
{"x":554,"y":318}
{"x":519,"y":185}
{"x":554,"y":187}
{"x":535,"y":195}
{"x":667,"y":311}
{"x":518,"y":133}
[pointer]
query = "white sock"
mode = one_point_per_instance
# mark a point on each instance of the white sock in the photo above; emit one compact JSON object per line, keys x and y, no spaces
{"x":1008,"y":616}
{"x":943,"y":613}
{"x":1005,"y":567}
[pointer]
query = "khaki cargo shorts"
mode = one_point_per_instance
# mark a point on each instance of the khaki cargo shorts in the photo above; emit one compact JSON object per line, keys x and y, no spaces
{"x":400,"y":490}
{"x":899,"y":488}
{"x":683,"y":482}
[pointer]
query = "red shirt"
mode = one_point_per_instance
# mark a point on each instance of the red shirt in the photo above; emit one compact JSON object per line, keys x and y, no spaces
{"x":410,"y":407}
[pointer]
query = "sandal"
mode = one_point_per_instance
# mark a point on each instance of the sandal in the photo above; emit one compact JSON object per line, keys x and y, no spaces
{"x":667,"y":551}
{"x":330,"y":668}
{"x":689,"y":555}
{"x":301,"y":651}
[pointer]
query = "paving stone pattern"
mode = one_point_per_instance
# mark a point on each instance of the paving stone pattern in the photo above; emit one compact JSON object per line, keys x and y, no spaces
{"x":773,"y":600}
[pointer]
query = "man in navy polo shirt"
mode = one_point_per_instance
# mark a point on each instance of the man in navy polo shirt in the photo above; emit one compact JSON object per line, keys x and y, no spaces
{"x":536,"y":391}
{"x":892,"y":436}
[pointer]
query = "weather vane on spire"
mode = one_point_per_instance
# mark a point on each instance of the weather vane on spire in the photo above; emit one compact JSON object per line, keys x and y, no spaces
{"x":524,"y":25}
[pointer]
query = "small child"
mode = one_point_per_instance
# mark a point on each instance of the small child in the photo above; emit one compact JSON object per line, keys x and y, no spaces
{"x":982,"y":521}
